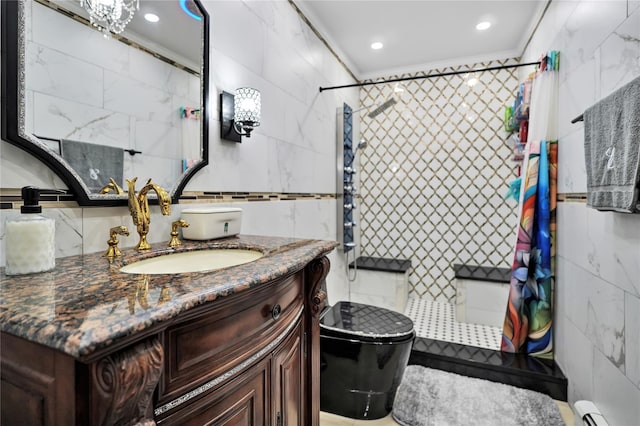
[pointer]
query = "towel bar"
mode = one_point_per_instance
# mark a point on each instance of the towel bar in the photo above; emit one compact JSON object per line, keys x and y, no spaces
{"x":578,"y":118}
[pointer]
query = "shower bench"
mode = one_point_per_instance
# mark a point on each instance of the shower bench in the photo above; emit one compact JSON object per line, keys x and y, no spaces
{"x":381,"y":281}
{"x":481,"y":294}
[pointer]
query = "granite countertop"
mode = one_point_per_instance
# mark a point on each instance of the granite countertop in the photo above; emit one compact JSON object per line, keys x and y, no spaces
{"x":86,"y":304}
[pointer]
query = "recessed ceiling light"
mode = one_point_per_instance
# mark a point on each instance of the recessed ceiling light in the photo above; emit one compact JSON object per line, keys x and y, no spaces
{"x":483,"y":25}
{"x":376,"y":45}
{"x":151,"y":17}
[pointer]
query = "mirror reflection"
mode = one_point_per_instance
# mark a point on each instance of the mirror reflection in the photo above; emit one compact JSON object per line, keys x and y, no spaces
{"x":118,"y":106}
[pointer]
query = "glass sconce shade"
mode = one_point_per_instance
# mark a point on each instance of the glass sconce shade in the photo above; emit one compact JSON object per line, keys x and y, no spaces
{"x":110,"y":16}
{"x":246,"y":109}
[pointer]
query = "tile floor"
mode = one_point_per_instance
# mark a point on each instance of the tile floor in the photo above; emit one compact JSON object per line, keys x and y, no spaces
{"x":437,"y":321}
{"x":327,"y":419}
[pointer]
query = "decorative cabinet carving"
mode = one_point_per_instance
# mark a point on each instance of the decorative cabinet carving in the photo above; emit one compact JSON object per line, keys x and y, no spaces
{"x":122,"y":384}
{"x":250,"y":358}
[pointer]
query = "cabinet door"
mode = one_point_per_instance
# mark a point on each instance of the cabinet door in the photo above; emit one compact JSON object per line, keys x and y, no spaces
{"x":288,"y":378}
{"x":36,"y":384}
{"x":242,"y":402}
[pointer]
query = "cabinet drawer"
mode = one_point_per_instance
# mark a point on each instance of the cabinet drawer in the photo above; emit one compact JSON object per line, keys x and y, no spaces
{"x":241,"y":402}
{"x":241,"y":325}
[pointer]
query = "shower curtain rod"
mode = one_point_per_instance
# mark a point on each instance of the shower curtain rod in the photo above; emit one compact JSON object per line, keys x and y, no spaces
{"x":418,"y":77}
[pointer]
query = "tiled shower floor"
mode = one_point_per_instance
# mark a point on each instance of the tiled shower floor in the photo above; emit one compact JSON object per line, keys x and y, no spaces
{"x":437,"y":321}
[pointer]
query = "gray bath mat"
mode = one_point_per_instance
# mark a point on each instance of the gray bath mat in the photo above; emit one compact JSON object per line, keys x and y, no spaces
{"x":428,"y":397}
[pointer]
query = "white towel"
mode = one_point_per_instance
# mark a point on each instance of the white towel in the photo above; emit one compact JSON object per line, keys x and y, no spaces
{"x":612,"y":150}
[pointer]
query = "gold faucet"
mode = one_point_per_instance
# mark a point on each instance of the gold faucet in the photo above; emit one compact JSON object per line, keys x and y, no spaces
{"x":112,"y":186}
{"x":175,"y":241}
{"x":139,"y":208}
{"x":113,"y":250}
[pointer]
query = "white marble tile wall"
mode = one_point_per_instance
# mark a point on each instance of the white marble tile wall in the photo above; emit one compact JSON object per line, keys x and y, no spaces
{"x":481,"y":302}
{"x":63,"y":76}
{"x":18,"y":169}
{"x":106,"y":127}
{"x":45,"y":21}
{"x":263,"y":44}
{"x":597,"y":319}
{"x":389,"y":290}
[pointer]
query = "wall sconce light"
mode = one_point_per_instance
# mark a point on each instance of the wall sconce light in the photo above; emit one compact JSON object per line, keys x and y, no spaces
{"x":239,"y":113}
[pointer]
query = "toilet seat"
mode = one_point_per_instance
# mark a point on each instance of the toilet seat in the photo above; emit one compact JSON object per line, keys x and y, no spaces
{"x":358,"y":321}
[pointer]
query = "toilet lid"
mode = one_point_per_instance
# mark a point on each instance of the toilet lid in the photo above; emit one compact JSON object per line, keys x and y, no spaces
{"x":366,"y":320}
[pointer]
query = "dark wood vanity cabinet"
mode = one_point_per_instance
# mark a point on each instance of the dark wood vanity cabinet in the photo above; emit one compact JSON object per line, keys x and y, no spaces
{"x":250,"y":358}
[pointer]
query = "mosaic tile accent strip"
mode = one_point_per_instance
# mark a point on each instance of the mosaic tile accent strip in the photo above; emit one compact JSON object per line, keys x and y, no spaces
{"x":434,"y":175}
{"x":437,"y":321}
{"x":11,"y":198}
{"x":225,"y":197}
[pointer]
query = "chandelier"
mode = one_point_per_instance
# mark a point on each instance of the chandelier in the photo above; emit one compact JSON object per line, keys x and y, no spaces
{"x":110,"y":16}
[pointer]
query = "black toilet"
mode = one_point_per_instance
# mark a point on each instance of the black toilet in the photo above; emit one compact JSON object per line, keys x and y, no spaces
{"x":364,"y":350}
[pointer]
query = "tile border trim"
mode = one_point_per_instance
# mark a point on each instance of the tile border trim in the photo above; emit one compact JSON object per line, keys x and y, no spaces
{"x":10,"y":198}
{"x":572,"y":197}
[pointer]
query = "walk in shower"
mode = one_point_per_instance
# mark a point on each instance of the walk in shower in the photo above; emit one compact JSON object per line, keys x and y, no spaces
{"x":432,"y":184}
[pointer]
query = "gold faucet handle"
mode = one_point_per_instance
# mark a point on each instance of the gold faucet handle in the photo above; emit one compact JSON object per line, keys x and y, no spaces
{"x":175,"y":241}
{"x":113,"y":250}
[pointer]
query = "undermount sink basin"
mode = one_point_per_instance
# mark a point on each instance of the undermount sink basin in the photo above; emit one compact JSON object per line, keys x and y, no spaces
{"x":192,"y":261}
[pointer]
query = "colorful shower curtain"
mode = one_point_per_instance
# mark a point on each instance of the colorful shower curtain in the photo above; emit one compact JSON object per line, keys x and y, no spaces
{"x":528,"y":321}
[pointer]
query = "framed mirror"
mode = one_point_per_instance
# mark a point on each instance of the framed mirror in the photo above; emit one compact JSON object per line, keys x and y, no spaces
{"x":100,"y":109}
